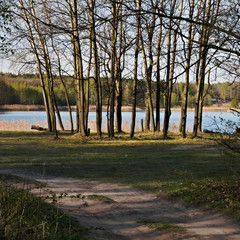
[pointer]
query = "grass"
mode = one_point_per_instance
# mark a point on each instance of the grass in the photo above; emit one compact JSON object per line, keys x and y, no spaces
{"x":161,"y":226}
{"x":195,"y":171}
{"x":23,"y":216}
{"x":100,"y":198}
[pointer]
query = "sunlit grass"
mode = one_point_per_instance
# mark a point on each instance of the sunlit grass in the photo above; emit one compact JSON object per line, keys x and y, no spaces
{"x":191,"y":170}
{"x":163,"y":227}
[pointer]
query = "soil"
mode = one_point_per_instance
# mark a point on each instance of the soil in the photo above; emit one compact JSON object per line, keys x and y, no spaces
{"x":119,"y":219}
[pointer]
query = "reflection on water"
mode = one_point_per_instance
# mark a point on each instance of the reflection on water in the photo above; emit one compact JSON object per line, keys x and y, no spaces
{"x":22,"y":120}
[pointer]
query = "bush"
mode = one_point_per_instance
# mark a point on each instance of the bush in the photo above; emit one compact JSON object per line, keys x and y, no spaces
{"x":234,"y":103}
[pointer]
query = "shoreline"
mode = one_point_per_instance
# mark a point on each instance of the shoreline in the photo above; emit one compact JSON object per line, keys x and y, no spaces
{"x":20,"y":107}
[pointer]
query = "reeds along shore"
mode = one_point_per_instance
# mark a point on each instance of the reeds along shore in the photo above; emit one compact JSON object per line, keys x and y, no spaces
{"x":21,"y":125}
{"x":21,"y":107}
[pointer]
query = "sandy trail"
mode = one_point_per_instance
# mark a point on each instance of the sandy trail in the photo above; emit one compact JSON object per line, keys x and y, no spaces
{"x":120,"y":219}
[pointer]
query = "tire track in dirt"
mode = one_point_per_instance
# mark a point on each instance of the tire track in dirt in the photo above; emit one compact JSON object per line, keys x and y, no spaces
{"x":120,"y":219}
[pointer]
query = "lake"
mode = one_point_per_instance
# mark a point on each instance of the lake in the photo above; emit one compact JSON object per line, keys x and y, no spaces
{"x":22,"y":120}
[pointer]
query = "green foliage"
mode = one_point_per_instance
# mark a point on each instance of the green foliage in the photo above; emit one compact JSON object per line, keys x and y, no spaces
{"x":207,"y":100}
{"x":25,"y":94}
{"x":224,"y":91}
{"x":60,"y":95}
{"x":23,"y":216}
{"x":175,"y":100}
{"x":26,"y":91}
{"x":234,"y":103}
{"x":191,"y":100}
{"x":6,"y":93}
{"x":127,"y":94}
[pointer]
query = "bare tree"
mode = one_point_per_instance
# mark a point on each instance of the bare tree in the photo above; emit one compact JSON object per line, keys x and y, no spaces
{"x":134,"y":98}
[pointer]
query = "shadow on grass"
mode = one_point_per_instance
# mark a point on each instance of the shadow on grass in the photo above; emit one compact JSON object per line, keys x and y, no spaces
{"x":183,"y":168}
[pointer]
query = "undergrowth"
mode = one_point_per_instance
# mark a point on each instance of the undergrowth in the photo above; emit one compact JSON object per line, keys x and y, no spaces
{"x":26,"y":217}
{"x":222,"y":194}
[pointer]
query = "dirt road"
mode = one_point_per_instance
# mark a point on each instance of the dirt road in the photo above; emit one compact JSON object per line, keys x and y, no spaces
{"x":119,"y":219}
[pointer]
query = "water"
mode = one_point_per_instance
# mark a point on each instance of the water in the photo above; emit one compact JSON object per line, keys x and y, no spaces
{"x":217,"y":121}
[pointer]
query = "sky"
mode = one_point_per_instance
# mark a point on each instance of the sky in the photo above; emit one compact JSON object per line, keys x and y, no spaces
{"x":5,"y":66}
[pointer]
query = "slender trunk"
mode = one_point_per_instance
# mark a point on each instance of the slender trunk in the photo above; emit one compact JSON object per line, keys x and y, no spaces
{"x":148,"y":74}
{"x":170,"y":69}
{"x":158,"y":72}
{"x":201,"y":77}
{"x":96,"y":70}
{"x":119,"y":75}
{"x":200,"y":115}
{"x":134,"y":97}
{"x":50,"y":67}
{"x":33,"y":44}
{"x":58,"y":114}
{"x":200,"y":88}
{"x":47,"y":70}
{"x":183,"y":119}
{"x":166,"y":103}
{"x":86,"y":87}
{"x":65,"y":88}
{"x":68,"y":103}
{"x":112,"y":73}
{"x":78,"y":68}
{"x":147,"y":117}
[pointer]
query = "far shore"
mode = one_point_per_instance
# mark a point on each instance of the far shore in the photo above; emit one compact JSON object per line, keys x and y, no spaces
{"x":20,"y":107}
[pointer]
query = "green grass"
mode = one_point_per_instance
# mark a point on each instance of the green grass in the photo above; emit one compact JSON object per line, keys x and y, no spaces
{"x":101,"y":198}
{"x":161,"y":226}
{"x":23,"y":216}
{"x":194,"y":171}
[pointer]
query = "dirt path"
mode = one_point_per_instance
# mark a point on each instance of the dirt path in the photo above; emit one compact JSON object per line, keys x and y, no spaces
{"x":120,"y":219}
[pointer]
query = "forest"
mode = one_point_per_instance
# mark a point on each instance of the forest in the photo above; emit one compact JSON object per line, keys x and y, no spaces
{"x":150,"y":53}
{"x":25,"y":89}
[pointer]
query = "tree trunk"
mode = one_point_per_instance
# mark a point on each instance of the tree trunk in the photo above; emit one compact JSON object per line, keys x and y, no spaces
{"x":119,"y":74}
{"x":96,"y":71}
{"x":33,"y":44}
{"x":134,"y":97}
{"x":148,"y":75}
{"x":147,"y":117}
{"x":183,"y":119}
{"x":112,"y":73}
{"x":170,"y":69}
{"x":158,"y":72}
{"x":47,"y":70}
{"x":204,"y":37}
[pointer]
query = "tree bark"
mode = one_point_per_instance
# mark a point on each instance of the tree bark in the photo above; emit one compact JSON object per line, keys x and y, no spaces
{"x":96,"y":71}
{"x":183,"y":119}
{"x":134,"y":97}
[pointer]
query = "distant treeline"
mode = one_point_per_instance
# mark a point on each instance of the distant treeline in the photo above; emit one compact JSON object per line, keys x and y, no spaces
{"x":25,"y":89}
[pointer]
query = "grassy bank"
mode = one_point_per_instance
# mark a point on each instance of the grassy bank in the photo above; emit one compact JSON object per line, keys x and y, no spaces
{"x":23,"y":216}
{"x":195,"y":171}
